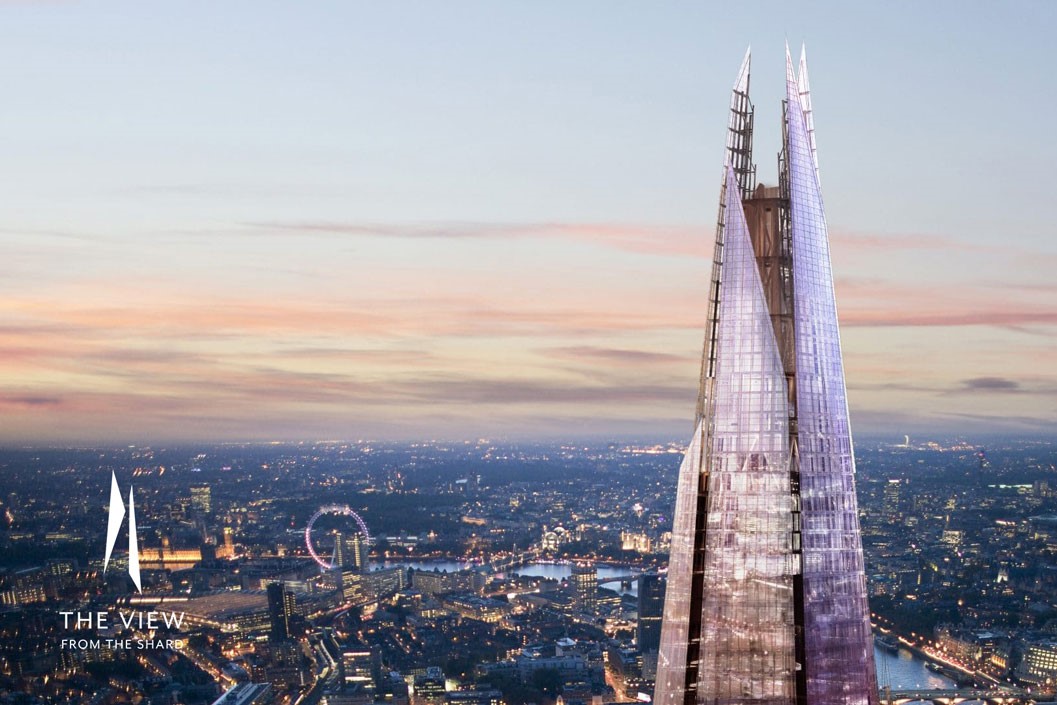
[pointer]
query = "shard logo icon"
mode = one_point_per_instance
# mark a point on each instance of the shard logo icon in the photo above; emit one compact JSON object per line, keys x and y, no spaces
{"x":117,"y":515}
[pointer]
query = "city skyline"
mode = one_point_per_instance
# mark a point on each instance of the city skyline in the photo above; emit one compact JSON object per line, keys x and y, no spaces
{"x":355,"y":221}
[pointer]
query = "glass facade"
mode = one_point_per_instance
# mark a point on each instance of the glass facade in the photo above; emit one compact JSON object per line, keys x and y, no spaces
{"x":766,"y":598}
{"x":747,"y":627}
{"x":839,"y":642}
{"x":672,"y":659}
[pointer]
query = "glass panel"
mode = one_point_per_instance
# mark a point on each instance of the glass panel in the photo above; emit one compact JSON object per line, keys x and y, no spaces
{"x":747,"y":628}
{"x":671,"y":658}
{"x":840,"y":666}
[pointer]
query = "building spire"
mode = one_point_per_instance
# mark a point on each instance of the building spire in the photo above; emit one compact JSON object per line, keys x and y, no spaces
{"x":742,"y":84}
{"x":804,"y":90}
{"x":790,"y":75}
{"x":739,"y":137}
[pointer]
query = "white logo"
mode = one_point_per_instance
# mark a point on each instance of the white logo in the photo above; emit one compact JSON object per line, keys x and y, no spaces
{"x":117,"y":515}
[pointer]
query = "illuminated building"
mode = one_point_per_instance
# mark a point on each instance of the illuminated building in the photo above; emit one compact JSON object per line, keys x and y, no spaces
{"x":360,"y":668}
{"x":168,"y":557}
{"x":766,"y":597}
{"x":650,"y":608}
{"x":282,"y":608}
{"x":202,"y":498}
{"x":429,"y":688}
{"x":585,"y":588}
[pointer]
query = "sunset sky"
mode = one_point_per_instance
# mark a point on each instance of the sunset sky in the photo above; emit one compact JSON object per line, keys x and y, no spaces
{"x":340,"y":220}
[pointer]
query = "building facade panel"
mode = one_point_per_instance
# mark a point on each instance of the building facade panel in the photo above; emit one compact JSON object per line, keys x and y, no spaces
{"x":839,"y":642}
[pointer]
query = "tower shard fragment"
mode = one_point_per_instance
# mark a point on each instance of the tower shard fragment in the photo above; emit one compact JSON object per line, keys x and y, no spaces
{"x":766,"y":598}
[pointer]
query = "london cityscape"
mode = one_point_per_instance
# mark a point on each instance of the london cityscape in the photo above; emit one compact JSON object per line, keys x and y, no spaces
{"x":488,"y":562}
{"x":471,"y":244}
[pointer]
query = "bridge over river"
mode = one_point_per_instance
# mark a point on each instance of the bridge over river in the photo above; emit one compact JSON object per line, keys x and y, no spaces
{"x":1003,"y":696}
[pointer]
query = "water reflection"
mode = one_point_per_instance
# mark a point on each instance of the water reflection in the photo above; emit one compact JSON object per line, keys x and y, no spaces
{"x":904,"y":671}
{"x":552,"y":571}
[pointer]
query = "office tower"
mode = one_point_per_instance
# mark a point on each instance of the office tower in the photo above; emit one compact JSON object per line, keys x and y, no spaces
{"x":282,"y":611}
{"x":202,"y":498}
{"x":585,"y":587}
{"x":357,"y":552}
{"x":766,"y":596}
{"x":350,"y":551}
{"x":340,"y":558}
{"x":360,"y":669}
{"x":891,"y":505}
{"x":651,"y":606}
{"x":429,"y":688}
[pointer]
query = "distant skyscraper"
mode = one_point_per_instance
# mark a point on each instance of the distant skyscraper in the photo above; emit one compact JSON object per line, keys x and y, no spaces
{"x":585,"y":586}
{"x":358,"y":551}
{"x":282,"y":609}
{"x":766,"y":597}
{"x":340,"y":558}
{"x":202,"y":498}
{"x":891,"y":505}
{"x":651,"y":606}
{"x":350,"y":551}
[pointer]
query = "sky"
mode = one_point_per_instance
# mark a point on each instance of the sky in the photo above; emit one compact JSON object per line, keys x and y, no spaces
{"x":413,"y":220}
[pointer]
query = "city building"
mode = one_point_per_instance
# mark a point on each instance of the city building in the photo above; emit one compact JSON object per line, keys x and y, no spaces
{"x":766,"y":596}
{"x":202,"y":498}
{"x":1040,"y":663}
{"x":350,"y":551}
{"x":892,"y":507}
{"x":227,"y":549}
{"x":635,"y":541}
{"x":650,"y":609}
{"x":282,"y":664}
{"x":436,"y":582}
{"x":360,"y":669}
{"x":240,"y":611}
{"x":361,"y":588}
{"x":246,"y":694}
{"x":483,"y":696}
{"x":473,"y":606}
{"x":358,"y":549}
{"x":585,"y":586}
{"x":429,"y":688}
{"x":169,"y":558}
{"x":282,"y":608}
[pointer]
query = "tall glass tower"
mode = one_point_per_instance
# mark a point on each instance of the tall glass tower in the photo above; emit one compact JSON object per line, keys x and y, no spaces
{"x":766,"y":598}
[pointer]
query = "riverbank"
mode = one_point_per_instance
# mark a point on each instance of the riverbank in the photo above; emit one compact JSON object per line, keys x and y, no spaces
{"x":902,"y":670}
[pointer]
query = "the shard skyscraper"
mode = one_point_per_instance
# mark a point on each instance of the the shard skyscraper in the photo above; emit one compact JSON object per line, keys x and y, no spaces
{"x":766,"y":599}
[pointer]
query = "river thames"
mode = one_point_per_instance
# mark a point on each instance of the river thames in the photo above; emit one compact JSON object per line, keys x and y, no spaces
{"x":905,"y":671}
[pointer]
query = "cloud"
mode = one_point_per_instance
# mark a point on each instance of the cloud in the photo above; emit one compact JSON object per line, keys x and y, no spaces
{"x":940,"y":319}
{"x":1003,"y":385}
{"x":880,"y":303}
{"x":376,"y":343}
{"x":29,"y":400}
{"x":990,"y":384}
{"x":255,"y":403}
{"x":617,"y":356}
{"x":1003,"y":423}
{"x":851,"y":240}
{"x":660,"y":239}
{"x":537,"y":391}
{"x":383,"y":318}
